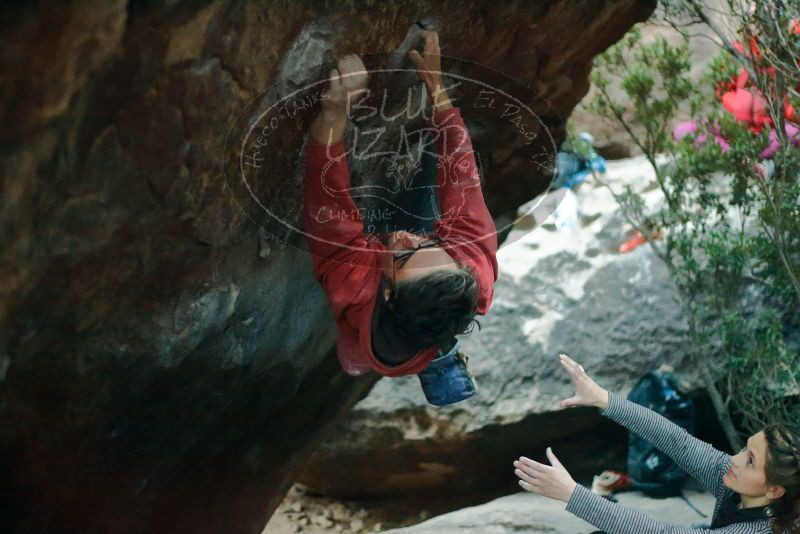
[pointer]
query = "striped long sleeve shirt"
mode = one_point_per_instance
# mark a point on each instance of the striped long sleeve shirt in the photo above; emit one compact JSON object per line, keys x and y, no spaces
{"x":696,"y":457}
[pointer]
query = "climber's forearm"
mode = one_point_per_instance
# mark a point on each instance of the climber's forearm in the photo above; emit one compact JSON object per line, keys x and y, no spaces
{"x":328,"y":127}
{"x":438,"y":97}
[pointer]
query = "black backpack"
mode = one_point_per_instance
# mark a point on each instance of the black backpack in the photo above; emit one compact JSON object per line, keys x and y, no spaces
{"x":652,"y":471}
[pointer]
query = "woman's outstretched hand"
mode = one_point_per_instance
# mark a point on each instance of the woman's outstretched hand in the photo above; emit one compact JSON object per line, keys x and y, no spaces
{"x":347,"y":83}
{"x":587,"y":392}
{"x":552,"y":480}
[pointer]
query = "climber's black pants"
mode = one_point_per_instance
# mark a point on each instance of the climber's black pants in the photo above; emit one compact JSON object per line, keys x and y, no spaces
{"x":414,"y":207}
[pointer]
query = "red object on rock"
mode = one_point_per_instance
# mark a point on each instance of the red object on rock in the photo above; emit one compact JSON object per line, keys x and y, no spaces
{"x":634,"y":242}
{"x":611,"y":481}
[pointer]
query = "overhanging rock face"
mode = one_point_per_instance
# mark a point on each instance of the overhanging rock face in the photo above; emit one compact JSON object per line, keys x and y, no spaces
{"x":165,"y":362}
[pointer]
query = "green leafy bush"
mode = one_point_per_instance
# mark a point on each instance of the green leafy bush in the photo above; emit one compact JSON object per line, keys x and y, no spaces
{"x":730,"y":221}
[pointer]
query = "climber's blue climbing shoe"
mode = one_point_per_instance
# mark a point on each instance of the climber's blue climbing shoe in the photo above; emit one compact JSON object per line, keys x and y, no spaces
{"x":447,"y":379}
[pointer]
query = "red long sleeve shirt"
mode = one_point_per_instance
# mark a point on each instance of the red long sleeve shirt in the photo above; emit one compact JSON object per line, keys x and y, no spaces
{"x":347,"y":263}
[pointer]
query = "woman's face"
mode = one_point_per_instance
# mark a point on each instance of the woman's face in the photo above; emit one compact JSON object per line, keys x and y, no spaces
{"x":747,"y":475}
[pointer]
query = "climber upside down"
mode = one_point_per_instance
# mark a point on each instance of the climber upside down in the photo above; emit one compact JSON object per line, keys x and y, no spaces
{"x":401,"y":296}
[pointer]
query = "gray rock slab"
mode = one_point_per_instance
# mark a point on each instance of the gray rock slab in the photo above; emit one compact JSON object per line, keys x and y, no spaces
{"x":534,"y":514}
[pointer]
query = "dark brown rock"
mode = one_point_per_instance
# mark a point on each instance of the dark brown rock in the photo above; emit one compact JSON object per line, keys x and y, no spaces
{"x":614,"y":150}
{"x":165,"y":354}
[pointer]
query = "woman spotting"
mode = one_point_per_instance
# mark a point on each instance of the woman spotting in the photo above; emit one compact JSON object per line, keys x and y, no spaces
{"x":757,"y":490}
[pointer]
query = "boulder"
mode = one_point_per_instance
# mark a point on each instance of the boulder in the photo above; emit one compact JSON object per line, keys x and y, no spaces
{"x":559,"y":291}
{"x":166,"y":357}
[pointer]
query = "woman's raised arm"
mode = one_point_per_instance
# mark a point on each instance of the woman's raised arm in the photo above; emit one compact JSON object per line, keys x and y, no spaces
{"x":696,"y":457}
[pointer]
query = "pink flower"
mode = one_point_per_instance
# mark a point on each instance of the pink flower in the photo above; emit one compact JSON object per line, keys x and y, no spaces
{"x":792,"y":132}
{"x":683,"y":129}
{"x":690,"y":127}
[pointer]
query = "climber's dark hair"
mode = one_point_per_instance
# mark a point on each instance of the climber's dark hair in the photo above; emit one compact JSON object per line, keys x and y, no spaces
{"x":783,"y":469}
{"x":432,"y":309}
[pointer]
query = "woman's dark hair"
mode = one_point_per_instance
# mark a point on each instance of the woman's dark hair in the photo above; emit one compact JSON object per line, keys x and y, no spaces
{"x":783,"y":469}
{"x":431,"y":309}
